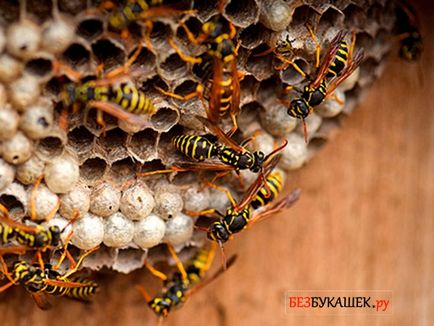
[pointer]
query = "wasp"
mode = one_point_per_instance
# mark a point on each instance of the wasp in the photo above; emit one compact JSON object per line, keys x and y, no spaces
{"x":410,"y":38}
{"x":141,"y":11}
{"x":223,"y":95}
{"x":114,"y":94}
{"x":256,"y":204}
{"x":337,"y":65}
{"x":35,"y":237}
{"x":183,"y":283}
{"x":47,"y":280}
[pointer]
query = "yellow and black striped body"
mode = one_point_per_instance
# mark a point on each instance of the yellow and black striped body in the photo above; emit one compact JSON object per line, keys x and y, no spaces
{"x":284,"y":47}
{"x":134,"y":10}
{"x":82,"y":293}
{"x":411,"y":47}
{"x":301,"y":107}
{"x":172,"y":296}
{"x":40,"y":239}
{"x":275,"y":184}
{"x":339,"y":62}
{"x":198,"y":265}
{"x":31,"y":277}
{"x":129,"y":98}
{"x":241,"y":161}
{"x":233,"y":222}
{"x":7,"y":233}
{"x":195,"y":147}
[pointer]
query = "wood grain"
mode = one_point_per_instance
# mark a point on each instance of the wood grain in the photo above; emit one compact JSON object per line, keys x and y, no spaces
{"x":365,"y":221}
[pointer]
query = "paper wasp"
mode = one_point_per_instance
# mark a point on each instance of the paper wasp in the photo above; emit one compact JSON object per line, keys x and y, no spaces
{"x":47,"y":280}
{"x":255,"y":206}
{"x":35,"y":237}
{"x":410,"y":38}
{"x":184,"y":283}
{"x":114,"y":94}
{"x":336,"y":66}
{"x":224,"y":92}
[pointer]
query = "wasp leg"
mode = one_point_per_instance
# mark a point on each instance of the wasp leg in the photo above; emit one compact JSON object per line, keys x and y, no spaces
{"x":156,"y":272}
{"x":33,"y":199}
{"x":182,"y":55}
{"x":177,"y":261}
{"x":317,"y":45}
{"x":197,"y":93}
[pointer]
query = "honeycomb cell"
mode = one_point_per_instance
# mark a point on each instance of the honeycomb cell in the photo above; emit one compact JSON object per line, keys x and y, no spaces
{"x":61,"y":174}
{"x":24,"y":91}
{"x":17,"y":149}
{"x":108,"y":53}
{"x":291,"y":76}
{"x":14,"y":198}
{"x":137,"y":202}
{"x":354,"y":16}
{"x":77,"y":201}
{"x":149,"y":232}
{"x":205,"y":9}
{"x":51,"y":146}
{"x":123,"y":171}
{"x":128,"y":260}
{"x":164,"y":119}
{"x":30,"y":171}
{"x":39,"y":67}
{"x":57,"y":35}
{"x":46,"y":202}
{"x":168,"y":202}
{"x":179,"y":229}
{"x":7,"y":173}
{"x":113,"y":144}
{"x":142,"y":145}
{"x":260,"y":67}
{"x":294,"y":154}
{"x":313,"y":123}
{"x":118,"y":231}
{"x":90,"y":28}
{"x":330,"y":18}
{"x":23,"y":38}
{"x":242,"y":13}
{"x":196,"y":199}
{"x":253,"y":36}
{"x":275,"y":14}
{"x":303,"y":14}
{"x":332,"y":106}
{"x":76,"y":55}
{"x":160,"y":34}
{"x":276,"y":120}
{"x":37,"y":120}
{"x":173,"y":68}
{"x":88,"y":232}
{"x":80,"y":140}
{"x":9,"y":122}
{"x":93,"y":169}
{"x":10,"y":68}
{"x":104,"y":200}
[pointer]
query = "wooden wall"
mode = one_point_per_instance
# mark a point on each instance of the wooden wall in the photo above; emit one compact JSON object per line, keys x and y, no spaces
{"x":365,"y":221}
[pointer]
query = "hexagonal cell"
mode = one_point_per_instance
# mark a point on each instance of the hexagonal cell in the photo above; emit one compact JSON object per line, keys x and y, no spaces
{"x":173,"y":67}
{"x":94,"y":127}
{"x":144,"y":63}
{"x":93,"y":169}
{"x":160,"y":34}
{"x":39,"y":67}
{"x":109,"y":53}
{"x":242,"y":13}
{"x":260,"y":67}
{"x":254,"y":35}
{"x":354,"y":16}
{"x":122,"y":171}
{"x":142,"y":144}
{"x":149,"y":87}
{"x":52,"y":145}
{"x":76,"y":55}
{"x":331,"y":17}
{"x":72,"y":7}
{"x":81,"y":140}
{"x":303,"y":14}
{"x":149,"y":166}
{"x":248,"y":86}
{"x":270,"y":88}
{"x":10,"y":11}
{"x":90,"y":28}
{"x":113,"y":144}
{"x":40,"y":9}
{"x":205,"y":9}
{"x":164,"y":119}
{"x":292,"y":76}
{"x":14,"y":205}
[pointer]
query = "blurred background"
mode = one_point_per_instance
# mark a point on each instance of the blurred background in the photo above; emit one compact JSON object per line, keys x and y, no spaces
{"x":365,"y":222}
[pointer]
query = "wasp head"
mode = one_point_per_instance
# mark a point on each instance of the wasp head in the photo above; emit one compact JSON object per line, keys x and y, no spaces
{"x":299,"y":108}
{"x":218,"y":232}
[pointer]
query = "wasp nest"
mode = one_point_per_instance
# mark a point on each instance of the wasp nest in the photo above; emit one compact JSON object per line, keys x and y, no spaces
{"x":92,"y":171}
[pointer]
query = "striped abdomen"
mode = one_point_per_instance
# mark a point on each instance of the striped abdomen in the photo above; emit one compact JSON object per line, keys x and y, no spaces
{"x":316,"y":96}
{"x":82,"y":293}
{"x":275,"y":183}
{"x":236,"y":222}
{"x":39,"y":239}
{"x":339,"y":62}
{"x":122,"y":17}
{"x":132,"y":99}
{"x":195,"y":147}
{"x":6,"y":233}
{"x":226,"y":93}
{"x":198,"y":265}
